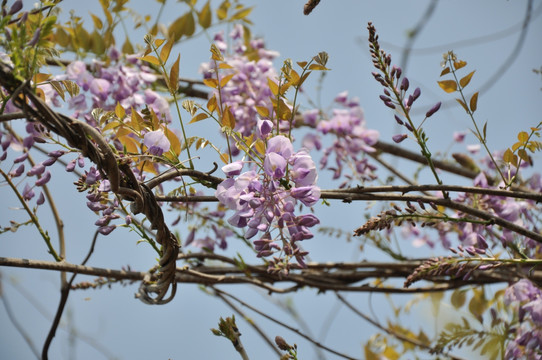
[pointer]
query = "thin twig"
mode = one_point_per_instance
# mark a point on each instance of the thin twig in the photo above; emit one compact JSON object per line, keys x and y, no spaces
{"x":298,"y":332}
{"x":16,"y":324}
{"x":64,"y":293}
{"x":250,"y":322}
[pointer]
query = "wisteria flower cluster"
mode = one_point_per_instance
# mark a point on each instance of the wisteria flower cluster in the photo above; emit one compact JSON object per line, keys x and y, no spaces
{"x":265,"y":202}
{"x":352,"y":142}
{"x":527,"y":299}
{"x":248,"y":87}
{"x":125,"y":82}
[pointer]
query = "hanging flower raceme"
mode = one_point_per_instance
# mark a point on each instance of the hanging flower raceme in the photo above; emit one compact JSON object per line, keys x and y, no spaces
{"x":265,"y":201}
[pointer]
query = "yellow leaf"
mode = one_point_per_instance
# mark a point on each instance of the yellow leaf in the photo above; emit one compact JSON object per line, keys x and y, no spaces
{"x":122,"y":131}
{"x":147,"y":166}
{"x":283,"y":111}
{"x":241,"y":14}
{"x":119,"y":111}
{"x":259,"y":145}
{"x":164,"y":53}
{"x":158,"y":42}
{"x":302,"y":64}
{"x":184,"y":25}
{"x":39,"y":78}
{"x":448,"y":85}
{"x":466,"y":79}
{"x":40,"y":93}
{"x":317,"y":67}
{"x":273,"y":86}
{"x":155,"y":120}
{"x":204,"y":16}
{"x":98,"y":24}
{"x":222,"y":11}
{"x":174,"y":141}
{"x":127,"y":47}
{"x":224,"y":66}
{"x":508,"y":156}
{"x":225,"y":80}
{"x":174,"y":75}
{"x":228,"y":119}
{"x":212,"y":83}
{"x":463,"y":104}
{"x":523,"y":155}
{"x":111,"y":125}
{"x":151,"y":59}
{"x":294,"y":77}
{"x":216,"y":54}
{"x":262,"y":111}
{"x":131,"y":145}
{"x":459,"y":64}
{"x":199,"y":117}
{"x":523,"y":137}
{"x":474,"y":102}
{"x":211,"y":104}
{"x":225,"y":158}
{"x":445,"y":71}
{"x":135,"y":120}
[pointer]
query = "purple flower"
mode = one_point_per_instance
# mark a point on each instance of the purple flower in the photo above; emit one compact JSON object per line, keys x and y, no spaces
{"x":308,"y":195}
{"x":342,"y":98}
{"x":100,"y":88}
{"x":106,"y":230}
{"x":233,"y":168}
{"x":399,"y":137}
{"x":274,"y":165}
{"x":41,"y":199}
{"x":18,"y":171}
{"x":535,"y":309}
{"x":459,"y":136}
{"x":92,"y":176}
{"x":156,"y":142}
{"x":303,"y":171}
{"x":71,"y":166}
{"x":265,"y":127}
{"x":17,"y":5}
{"x":28,"y":193}
{"x":44,"y":179}
{"x":96,"y":206}
{"x":37,"y":169}
{"x":281,"y":145}
{"x":521,"y":291}
{"x":308,"y":220}
{"x":433,"y":110}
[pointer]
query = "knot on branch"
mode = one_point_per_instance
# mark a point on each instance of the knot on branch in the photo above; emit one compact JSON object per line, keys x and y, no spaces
{"x":123,"y":182}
